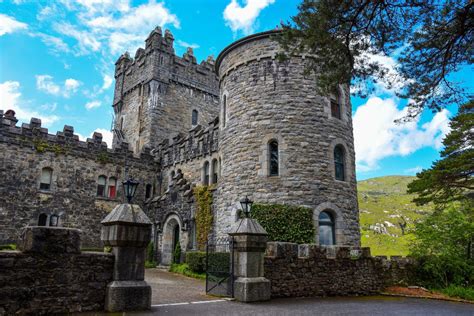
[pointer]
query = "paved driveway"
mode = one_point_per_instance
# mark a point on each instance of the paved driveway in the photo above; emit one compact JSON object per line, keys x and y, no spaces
{"x":168,"y":288}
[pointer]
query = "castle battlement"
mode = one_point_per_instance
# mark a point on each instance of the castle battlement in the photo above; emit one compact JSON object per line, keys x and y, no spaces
{"x":158,"y":61}
{"x":198,"y":143}
{"x":293,"y":251}
{"x":64,"y":142}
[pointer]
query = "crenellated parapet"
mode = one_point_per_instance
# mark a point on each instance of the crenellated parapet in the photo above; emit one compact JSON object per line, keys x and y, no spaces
{"x":158,"y":62}
{"x":37,"y":137}
{"x":198,"y":143}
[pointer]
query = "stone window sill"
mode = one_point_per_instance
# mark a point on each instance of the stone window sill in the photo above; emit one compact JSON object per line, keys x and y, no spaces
{"x":50,"y":192}
{"x":104,"y":198}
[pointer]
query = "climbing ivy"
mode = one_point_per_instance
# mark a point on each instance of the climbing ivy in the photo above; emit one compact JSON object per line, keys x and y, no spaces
{"x":285,"y":222}
{"x":204,"y":218}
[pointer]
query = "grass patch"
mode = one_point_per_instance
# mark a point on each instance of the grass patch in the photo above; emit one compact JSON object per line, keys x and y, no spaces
{"x":183,"y":268}
{"x":150,"y":264}
{"x":8,"y":247}
{"x":466,"y":293}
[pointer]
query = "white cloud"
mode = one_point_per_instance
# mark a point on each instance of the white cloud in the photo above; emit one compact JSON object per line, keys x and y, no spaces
{"x":108,"y":80}
{"x":10,"y":97}
{"x":46,"y":84}
{"x":377,"y":136}
{"x":87,"y":41}
{"x":242,"y":18}
{"x":56,"y":43}
{"x":92,"y":104}
{"x":413,"y":170}
{"x":186,"y":45}
{"x":8,"y":24}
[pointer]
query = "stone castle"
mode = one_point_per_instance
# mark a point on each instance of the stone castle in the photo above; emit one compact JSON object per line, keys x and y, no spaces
{"x":247,"y":123}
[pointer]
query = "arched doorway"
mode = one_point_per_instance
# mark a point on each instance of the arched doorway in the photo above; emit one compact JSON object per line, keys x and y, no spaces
{"x":170,"y":238}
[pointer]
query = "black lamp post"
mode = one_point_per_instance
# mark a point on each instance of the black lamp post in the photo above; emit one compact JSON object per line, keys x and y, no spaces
{"x":129,"y":189}
{"x":246,"y":205}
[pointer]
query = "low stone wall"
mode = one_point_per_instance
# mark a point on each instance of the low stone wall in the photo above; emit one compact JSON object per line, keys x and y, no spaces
{"x":51,"y":275}
{"x":310,"y":270}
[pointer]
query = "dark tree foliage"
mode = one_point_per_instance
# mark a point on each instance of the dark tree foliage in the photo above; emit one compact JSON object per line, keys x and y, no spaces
{"x":450,"y":178}
{"x":430,"y":39}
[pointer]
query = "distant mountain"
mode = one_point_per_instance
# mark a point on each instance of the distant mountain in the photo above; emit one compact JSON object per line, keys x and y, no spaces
{"x":385,"y":208}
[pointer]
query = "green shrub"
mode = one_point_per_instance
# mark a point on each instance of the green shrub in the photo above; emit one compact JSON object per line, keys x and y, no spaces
{"x":218,"y":262}
{"x":466,"y":293}
{"x":285,"y":222}
{"x":8,"y":247}
{"x":150,"y":252}
{"x":184,"y":269}
{"x":204,"y":218}
{"x":177,"y":253}
{"x":196,"y":261}
{"x":150,"y":264}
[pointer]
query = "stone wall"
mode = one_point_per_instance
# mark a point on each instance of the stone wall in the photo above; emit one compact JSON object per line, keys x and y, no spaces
{"x":268,"y":99}
{"x":309,"y":270}
{"x":52,"y":276}
{"x":76,"y":166}
{"x":156,"y":92}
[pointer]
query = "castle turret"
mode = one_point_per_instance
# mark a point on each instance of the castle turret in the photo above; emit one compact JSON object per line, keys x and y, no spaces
{"x":280,"y":141}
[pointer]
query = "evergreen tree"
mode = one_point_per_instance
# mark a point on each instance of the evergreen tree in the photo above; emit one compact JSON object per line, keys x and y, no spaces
{"x":431,"y":40}
{"x":450,"y":178}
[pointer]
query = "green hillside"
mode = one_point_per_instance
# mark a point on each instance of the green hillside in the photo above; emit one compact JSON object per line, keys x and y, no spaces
{"x":384,"y":205}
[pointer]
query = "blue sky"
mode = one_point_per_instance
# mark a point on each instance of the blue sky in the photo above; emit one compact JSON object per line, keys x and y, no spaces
{"x":57,"y":59}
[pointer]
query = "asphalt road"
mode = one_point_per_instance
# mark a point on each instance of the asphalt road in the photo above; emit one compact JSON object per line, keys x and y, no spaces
{"x":374,"y":305}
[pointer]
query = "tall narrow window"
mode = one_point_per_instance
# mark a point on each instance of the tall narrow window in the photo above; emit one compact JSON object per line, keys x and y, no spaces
{"x":336,"y":104}
{"x":339,"y":163}
{"x":273,"y":158}
{"x":206,"y":173}
{"x":326,"y":229}
{"x":121,"y":123}
{"x":112,"y":188}
{"x":101,"y":182}
{"x":215,"y":170}
{"x":42,"y":219}
{"x":148,"y":190}
{"x":224,"y":111}
{"x":194,"y":117}
{"x":45,"y":181}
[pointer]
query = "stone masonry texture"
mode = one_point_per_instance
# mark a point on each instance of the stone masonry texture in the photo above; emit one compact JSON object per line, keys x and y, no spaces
{"x":309,"y":270}
{"x":76,"y":166}
{"x":47,"y":280}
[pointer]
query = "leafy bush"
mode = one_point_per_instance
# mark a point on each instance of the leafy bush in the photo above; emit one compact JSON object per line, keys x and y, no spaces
{"x":8,"y":247}
{"x":442,"y":247}
{"x":177,"y":253}
{"x":285,"y":222}
{"x":184,"y":269}
{"x":150,"y":264}
{"x":196,"y":261}
{"x":204,"y":218}
{"x":218,"y":262}
{"x":466,"y":293}
{"x":150,"y":252}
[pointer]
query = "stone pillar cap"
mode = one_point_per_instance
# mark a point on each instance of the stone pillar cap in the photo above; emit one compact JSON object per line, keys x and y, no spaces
{"x":127,"y":214}
{"x":247,"y":226}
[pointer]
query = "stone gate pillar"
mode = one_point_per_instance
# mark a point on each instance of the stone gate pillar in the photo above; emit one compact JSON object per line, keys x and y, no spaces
{"x":250,"y":242}
{"x":128,"y":231}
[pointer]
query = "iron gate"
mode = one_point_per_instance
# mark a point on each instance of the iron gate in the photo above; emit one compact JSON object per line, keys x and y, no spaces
{"x":220,"y":266}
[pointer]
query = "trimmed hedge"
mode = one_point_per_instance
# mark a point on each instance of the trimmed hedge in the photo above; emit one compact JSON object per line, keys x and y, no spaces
{"x":286,"y":223}
{"x":217,"y":261}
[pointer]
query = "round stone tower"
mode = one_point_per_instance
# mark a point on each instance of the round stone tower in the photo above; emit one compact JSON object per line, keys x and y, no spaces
{"x":280,"y":142}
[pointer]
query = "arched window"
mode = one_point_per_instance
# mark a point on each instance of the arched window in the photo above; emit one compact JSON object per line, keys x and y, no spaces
{"x":339,"y":163}
{"x":148,"y":190}
{"x":112,"y":188}
{"x":101,"y":182}
{"x":336,"y":104}
{"x":194,"y":117}
{"x":206,"y":173}
{"x":224,"y":111}
{"x":215,"y":170}
{"x":42,"y":219}
{"x":326,"y":229}
{"x":46,"y":176}
{"x":273,"y":158}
